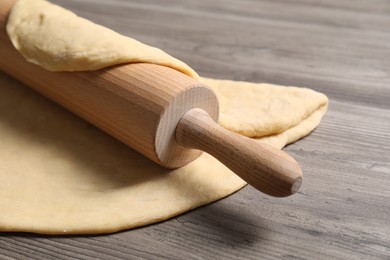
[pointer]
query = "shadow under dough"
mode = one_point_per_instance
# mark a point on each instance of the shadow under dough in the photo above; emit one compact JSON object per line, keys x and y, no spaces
{"x":232,"y":227}
{"x":229,"y":228}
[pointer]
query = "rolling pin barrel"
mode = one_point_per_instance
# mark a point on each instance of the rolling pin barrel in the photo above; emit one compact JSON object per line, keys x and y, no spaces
{"x":138,"y":104}
{"x":158,"y":111}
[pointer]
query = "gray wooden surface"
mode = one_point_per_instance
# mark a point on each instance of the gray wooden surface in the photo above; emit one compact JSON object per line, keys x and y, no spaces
{"x":339,"y":47}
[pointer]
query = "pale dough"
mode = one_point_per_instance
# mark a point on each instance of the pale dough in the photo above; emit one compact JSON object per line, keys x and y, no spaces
{"x":59,"y":175}
{"x":257,"y":110}
{"x":58,"y":40}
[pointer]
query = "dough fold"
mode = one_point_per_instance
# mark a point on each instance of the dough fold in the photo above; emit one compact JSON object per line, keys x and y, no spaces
{"x":59,"y":175}
{"x":59,"y":40}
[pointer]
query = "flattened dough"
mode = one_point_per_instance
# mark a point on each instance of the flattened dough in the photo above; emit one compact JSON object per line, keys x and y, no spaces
{"x":243,"y":104}
{"x":59,"y":175}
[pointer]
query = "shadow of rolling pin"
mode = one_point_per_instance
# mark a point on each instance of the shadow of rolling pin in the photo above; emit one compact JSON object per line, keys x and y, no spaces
{"x":158,"y":111}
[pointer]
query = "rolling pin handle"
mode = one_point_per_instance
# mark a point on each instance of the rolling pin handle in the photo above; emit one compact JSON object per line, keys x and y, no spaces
{"x":267,"y":169}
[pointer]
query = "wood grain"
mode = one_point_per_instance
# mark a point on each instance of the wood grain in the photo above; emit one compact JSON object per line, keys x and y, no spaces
{"x":265,"y":168}
{"x":339,"y":47}
{"x":148,"y":107}
{"x":139,"y":104}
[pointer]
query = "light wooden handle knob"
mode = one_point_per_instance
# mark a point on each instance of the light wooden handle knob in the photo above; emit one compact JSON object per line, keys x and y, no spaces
{"x":268,"y":169}
{"x":156,"y":98}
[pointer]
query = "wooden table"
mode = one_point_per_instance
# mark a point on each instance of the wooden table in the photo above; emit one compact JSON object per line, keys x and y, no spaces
{"x":339,"y":47}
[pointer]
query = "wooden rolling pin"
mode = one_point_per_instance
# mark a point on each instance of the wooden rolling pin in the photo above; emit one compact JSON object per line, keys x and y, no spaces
{"x":158,"y":111}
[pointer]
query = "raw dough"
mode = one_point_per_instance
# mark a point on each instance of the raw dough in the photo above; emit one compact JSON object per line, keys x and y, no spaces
{"x":58,"y":40}
{"x":256,"y":110}
{"x":59,"y":175}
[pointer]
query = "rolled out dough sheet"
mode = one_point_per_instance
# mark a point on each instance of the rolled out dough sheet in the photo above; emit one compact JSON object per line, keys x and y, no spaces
{"x":59,"y":175}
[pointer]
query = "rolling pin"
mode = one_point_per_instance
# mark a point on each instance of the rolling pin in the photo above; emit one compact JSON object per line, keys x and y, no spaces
{"x":160,"y":112}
